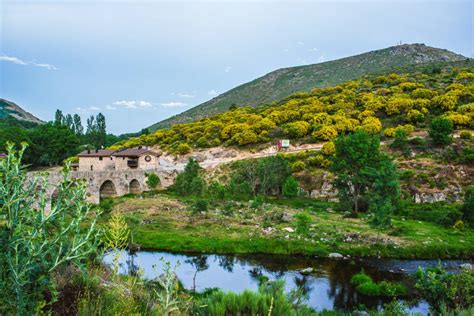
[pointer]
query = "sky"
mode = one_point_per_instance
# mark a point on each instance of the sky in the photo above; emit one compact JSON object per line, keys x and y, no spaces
{"x":139,"y":62}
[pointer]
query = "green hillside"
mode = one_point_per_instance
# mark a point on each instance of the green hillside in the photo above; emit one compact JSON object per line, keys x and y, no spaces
{"x":12,"y":114}
{"x":377,"y":103}
{"x":283,"y":82}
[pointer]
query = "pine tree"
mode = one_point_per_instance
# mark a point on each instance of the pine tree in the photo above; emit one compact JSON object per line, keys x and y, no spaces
{"x":78,"y":125}
{"x":58,"y":118}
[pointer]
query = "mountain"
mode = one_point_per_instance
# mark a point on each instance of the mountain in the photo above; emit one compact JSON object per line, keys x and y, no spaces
{"x":11,"y":111}
{"x":283,"y":82}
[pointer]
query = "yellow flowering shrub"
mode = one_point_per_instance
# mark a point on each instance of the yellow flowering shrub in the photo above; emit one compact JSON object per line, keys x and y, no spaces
{"x":372,"y":125}
{"x":329,"y":149}
{"x":325,"y":133}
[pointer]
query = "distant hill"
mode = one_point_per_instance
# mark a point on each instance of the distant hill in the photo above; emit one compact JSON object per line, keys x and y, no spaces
{"x":283,"y":82}
{"x":9,"y":111}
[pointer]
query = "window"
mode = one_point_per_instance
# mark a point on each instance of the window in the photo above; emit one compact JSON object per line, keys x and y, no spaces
{"x":100,"y":158}
{"x":110,"y":158}
{"x":92,"y":167}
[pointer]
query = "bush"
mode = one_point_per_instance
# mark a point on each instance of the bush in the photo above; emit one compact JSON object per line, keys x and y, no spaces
{"x":290,"y":188}
{"x":369,"y":289}
{"x":443,"y":290}
{"x":329,"y":149}
{"x":360,"y":278}
{"x":467,"y":208}
{"x":440,"y":131}
{"x":298,"y":166}
{"x":303,"y":223}
{"x":189,"y":182}
{"x":199,"y":206}
{"x":152,"y":181}
{"x":183,"y":149}
{"x":465,"y":135}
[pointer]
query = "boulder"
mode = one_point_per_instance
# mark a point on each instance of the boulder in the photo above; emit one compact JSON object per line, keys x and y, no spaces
{"x":467,"y":266}
{"x":306,"y":271}
{"x":289,"y":229}
{"x":335,"y":255}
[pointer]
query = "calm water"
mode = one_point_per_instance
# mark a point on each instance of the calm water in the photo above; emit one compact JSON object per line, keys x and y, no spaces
{"x":327,"y":286}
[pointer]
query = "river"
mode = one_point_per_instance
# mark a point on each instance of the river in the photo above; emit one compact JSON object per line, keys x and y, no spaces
{"x":327,"y":287}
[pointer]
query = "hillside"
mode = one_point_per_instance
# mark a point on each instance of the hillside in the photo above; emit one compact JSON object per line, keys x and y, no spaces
{"x":10,"y":110}
{"x":376,"y":103}
{"x":283,"y":82}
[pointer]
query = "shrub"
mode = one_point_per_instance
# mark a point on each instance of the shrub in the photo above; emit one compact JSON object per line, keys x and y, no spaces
{"x":392,"y":289}
{"x":443,"y":290}
{"x":290,"y":188}
{"x":440,"y":131}
{"x":189,"y":182}
{"x":217,"y":190}
{"x":401,"y":139}
{"x":467,"y":208}
{"x":369,"y":289}
{"x":298,"y":166}
{"x":199,"y":206}
{"x":465,"y":135}
{"x":152,"y":181}
{"x":303,"y":223}
{"x":183,"y":149}
{"x":325,"y":133}
{"x":329,"y":149}
{"x":360,"y":278}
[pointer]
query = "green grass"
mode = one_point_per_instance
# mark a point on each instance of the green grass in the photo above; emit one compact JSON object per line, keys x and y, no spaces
{"x":166,"y":223}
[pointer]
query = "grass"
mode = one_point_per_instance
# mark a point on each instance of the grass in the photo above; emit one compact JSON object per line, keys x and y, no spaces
{"x":167,"y":223}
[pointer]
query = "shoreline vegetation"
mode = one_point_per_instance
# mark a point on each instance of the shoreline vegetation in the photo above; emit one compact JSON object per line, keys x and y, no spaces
{"x":165,"y":222}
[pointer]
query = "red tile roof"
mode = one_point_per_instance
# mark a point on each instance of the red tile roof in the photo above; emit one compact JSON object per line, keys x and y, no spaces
{"x":96,"y":153}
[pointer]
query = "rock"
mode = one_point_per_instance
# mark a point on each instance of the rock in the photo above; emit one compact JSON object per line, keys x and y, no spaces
{"x":286,"y":217}
{"x":289,"y":229}
{"x":361,"y":313}
{"x":335,"y":255}
{"x":268,"y":230}
{"x":467,"y":266}
{"x":306,"y":271}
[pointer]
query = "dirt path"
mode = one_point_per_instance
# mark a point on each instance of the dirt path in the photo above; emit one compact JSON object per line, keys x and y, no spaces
{"x":211,"y":158}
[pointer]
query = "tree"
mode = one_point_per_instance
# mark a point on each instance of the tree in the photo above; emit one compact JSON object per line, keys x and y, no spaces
{"x":78,"y":128}
{"x":51,"y":144}
{"x":69,"y":122}
{"x":101,"y":130}
{"x":290,"y":188}
{"x":34,"y":242}
{"x":152,"y":181}
{"x":272,"y":172}
{"x":364,"y":174}
{"x":58,"y":118}
{"x":440,"y":131}
{"x":401,"y":140}
{"x":189,"y":182}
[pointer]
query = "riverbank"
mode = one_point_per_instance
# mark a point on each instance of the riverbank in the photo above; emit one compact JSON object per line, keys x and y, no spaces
{"x":168,"y":223}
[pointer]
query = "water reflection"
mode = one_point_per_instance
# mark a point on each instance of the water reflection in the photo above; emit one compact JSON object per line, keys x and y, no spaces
{"x":327,"y":287}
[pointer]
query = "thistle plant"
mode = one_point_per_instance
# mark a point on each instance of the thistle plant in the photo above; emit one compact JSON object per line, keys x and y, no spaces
{"x":36,"y":240}
{"x":116,"y":237}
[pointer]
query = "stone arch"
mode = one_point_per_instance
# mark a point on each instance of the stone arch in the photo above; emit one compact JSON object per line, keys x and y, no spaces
{"x":135,"y":187}
{"x":107,"y":189}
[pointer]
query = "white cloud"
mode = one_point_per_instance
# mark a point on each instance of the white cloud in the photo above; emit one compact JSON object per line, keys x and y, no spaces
{"x":133,"y":104}
{"x":314,"y":49}
{"x":94,"y":108}
{"x":110,"y":107}
{"x":300,"y":43}
{"x":212,"y":93}
{"x":227,"y":69}
{"x":87,"y":110}
{"x":173,"y":104}
{"x":18,"y":61}
{"x":185,"y":95}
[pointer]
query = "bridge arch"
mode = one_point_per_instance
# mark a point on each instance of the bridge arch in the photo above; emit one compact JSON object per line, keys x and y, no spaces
{"x":107,"y":189}
{"x":135,"y":187}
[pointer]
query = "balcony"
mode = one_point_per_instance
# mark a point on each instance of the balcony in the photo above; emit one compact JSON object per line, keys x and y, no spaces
{"x":132,"y":163}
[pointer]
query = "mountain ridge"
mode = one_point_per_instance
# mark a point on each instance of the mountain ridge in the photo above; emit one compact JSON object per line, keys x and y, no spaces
{"x":9,"y":109}
{"x":283,"y":82}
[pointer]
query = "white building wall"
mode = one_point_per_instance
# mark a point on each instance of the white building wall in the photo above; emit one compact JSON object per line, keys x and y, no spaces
{"x":95,"y":164}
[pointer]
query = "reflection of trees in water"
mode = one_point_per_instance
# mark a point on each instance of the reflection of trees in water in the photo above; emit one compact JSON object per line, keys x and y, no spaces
{"x":303,"y":283}
{"x":132,"y":264}
{"x":199,"y":263}
{"x":256,"y":273}
{"x":227,"y":263}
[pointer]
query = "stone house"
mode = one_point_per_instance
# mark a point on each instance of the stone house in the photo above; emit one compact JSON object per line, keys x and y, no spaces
{"x":140,"y":158}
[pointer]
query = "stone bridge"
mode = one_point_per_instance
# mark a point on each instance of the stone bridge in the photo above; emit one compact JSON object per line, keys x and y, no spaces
{"x":102,"y":184}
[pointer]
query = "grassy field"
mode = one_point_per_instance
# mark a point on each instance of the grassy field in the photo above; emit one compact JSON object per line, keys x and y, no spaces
{"x":164,"y":222}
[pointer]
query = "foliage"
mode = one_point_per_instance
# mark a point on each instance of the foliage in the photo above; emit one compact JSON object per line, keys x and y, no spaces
{"x":329,"y":149}
{"x":360,"y":278}
{"x":298,"y":166}
{"x":467,"y":208}
{"x":369,"y":103}
{"x":303,"y":223}
{"x":465,"y":135}
{"x":365,"y":285}
{"x":445,"y":291}
{"x":183,"y":149}
{"x":35,"y":241}
{"x":363,"y":173}
{"x":440,"y":131}
{"x":189,"y":182}
{"x":290,"y":188}
{"x":401,"y":140}
{"x":199,"y":206}
{"x":152,"y":180}
{"x":270,"y":299}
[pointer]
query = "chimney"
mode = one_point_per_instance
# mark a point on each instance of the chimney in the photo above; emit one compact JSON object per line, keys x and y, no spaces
{"x":96,"y":151}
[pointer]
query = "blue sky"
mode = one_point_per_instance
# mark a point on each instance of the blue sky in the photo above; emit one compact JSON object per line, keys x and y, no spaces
{"x":139,"y":62}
